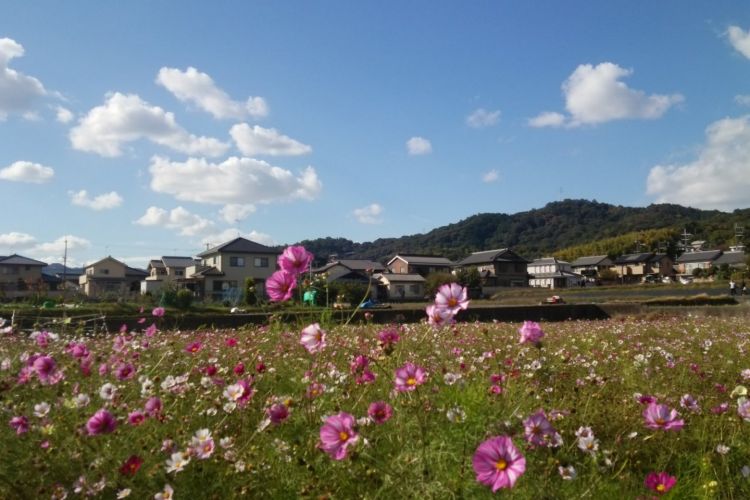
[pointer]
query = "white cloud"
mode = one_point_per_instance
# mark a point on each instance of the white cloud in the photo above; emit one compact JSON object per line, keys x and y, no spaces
{"x":64,"y":115}
{"x":547,"y":119}
{"x":104,"y":201}
{"x":177,"y":219}
{"x":483,"y":118}
{"x":742,"y":100}
{"x":266,"y":141}
{"x":418,"y":146}
{"x":26,"y":171}
{"x":15,"y":240}
{"x":127,"y":118}
{"x":718,"y":179}
{"x":18,"y":92}
{"x":595,"y":94}
{"x":198,"y":88}
{"x":740,"y":40}
{"x":234,"y":181}
{"x":491,"y":176}
{"x":236,"y":212}
{"x":369,"y":214}
{"x":232,"y":233}
{"x":53,"y":251}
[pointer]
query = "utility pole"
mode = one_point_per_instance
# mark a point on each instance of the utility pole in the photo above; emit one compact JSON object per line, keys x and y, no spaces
{"x":65,"y":282}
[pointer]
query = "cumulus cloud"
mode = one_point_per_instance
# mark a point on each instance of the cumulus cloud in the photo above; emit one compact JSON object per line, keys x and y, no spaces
{"x":178,"y":219}
{"x":18,"y":92}
{"x":15,"y":240}
{"x":26,"y":171}
{"x":740,"y":40}
{"x":232,"y":233}
{"x":198,"y":88}
{"x":369,"y":214}
{"x":106,"y":201}
{"x":596,"y":94}
{"x":266,"y":141}
{"x":234,"y":181}
{"x":127,"y":118}
{"x":482,"y":118}
{"x":491,"y":176}
{"x":719,"y":178}
{"x":547,"y":119}
{"x":418,"y":146}
{"x":53,"y":251}
{"x":64,"y":115}
{"x":236,"y":212}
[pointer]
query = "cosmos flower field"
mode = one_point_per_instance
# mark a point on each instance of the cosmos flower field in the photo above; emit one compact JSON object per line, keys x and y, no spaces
{"x":627,"y":408}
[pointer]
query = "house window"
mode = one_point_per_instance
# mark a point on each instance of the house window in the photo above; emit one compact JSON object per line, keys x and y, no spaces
{"x":237,"y":261}
{"x":414,"y":289}
{"x":105,"y":271}
{"x":260,"y":262}
{"x":179,"y":273}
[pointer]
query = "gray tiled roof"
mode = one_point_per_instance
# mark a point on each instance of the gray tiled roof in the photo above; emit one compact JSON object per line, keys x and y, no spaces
{"x":634,"y":258}
{"x":592,"y":260}
{"x":354,"y":265}
{"x":705,"y":256}
{"x":490,"y":256}
{"x":546,"y":260}
{"x":400,"y":278}
{"x":239,"y":245}
{"x":424,"y":260}
{"x":171,"y":261}
{"x":731,"y":258}
{"x":19,"y":260}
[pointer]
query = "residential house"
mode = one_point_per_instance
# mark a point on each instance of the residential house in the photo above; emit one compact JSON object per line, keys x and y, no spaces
{"x":497,"y":268}
{"x":400,"y":286}
{"x":20,"y":276}
{"x":222,"y":270}
{"x":688,"y":262}
{"x":353,"y":271}
{"x":633,"y":267}
{"x":109,"y":276}
{"x":59,"y":277}
{"x":423,"y":265}
{"x":550,"y":272}
{"x":735,"y":259}
{"x":662,"y":265}
{"x":168,"y":269}
{"x":590,"y":266}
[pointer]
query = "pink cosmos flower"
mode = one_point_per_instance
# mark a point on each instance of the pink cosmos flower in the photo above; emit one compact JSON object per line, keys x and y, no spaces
{"x":295,"y":260}
{"x":360,"y":368}
{"x":658,"y":416}
{"x":313,"y":338}
{"x":743,"y":409}
{"x":278,"y":412}
{"x":153,"y":406}
{"x":688,"y":402}
{"x":314,"y":390}
{"x":124,"y":371}
{"x":409,"y":376}
{"x":136,"y":417}
{"x":379,"y":412}
{"x":247,"y":392}
{"x":131,"y":465}
{"x":336,"y":434}
{"x":78,"y":350}
{"x":239,"y":368}
{"x":158,"y":312}
{"x":103,"y":422}
{"x":531,"y":332}
{"x":280,"y":286}
{"x":193,"y":347}
{"x":452,"y":297}
{"x":539,"y":431}
{"x":45,"y":368}
{"x":438,"y":316}
{"x":498,"y":463}
{"x":19,"y":424}
{"x":660,"y":482}
{"x":387,"y":338}
{"x":151,"y":330}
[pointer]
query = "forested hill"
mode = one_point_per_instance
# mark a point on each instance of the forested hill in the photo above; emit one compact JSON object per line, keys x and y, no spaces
{"x":544,"y":231}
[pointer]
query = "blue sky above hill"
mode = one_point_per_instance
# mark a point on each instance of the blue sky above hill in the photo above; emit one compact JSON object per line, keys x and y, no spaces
{"x":141,"y":129}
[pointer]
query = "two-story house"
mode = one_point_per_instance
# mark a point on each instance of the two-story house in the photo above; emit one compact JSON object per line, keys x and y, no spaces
{"x":550,"y":272}
{"x":222,"y":270}
{"x":591,"y":265}
{"x":109,"y":276}
{"x":688,"y":262}
{"x":423,"y":265}
{"x":19,"y":276}
{"x":168,"y":269}
{"x":502,"y":267}
{"x":633,"y":267}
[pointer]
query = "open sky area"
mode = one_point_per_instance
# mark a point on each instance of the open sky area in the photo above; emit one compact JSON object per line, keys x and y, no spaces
{"x":139,"y":129}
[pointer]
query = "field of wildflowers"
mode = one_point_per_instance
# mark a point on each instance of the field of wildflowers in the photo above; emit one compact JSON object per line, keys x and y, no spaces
{"x":621,"y":408}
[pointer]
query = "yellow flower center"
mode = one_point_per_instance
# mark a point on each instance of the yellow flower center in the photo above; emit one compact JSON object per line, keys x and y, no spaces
{"x":501,"y":464}
{"x":411,"y":381}
{"x":452,"y":302}
{"x":343,"y":436}
{"x":660,"y":487}
{"x":660,"y":421}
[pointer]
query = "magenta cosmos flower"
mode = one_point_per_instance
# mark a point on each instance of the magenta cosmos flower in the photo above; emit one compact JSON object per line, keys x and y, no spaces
{"x":657,"y":416}
{"x":280,"y":286}
{"x":498,"y":463}
{"x":295,"y":260}
{"x":409,"y":376}
{"x":660,"y":482}
{"x":380,"y":412}
{"x":452,"y":297}
{"x":313,"y":338}
{"x":45,"y":367}
{"x":158,"y":312}
{"x":530,"y":332}
{"x":336,"y":434}
{"x":103,"y":422}
{"x":19,"y":424}
{"x":539,"y":431}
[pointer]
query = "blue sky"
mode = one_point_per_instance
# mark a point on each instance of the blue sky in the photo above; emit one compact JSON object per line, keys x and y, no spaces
{"x":140,"y":129}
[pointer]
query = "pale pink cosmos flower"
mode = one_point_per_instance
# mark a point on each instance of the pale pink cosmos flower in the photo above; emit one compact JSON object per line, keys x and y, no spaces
{"x":743,"y":409}
{"x":313,"y":338}
{"x":438,"y":316}
{"x":409,"y":376}
{"x":280,"y":286}
{"x":337,"y":434}
{"x":153,"y":406}
{"x":658,"y":416}
{"x":295,"y":260}
{"x":379,"y":412}
{"x":530,"y":332}
{"x":103,"y":422}
{"x":452,"y":297}
{"x":688,"y":402}
{"x":539,"y":431}
{"x":498,"y":463}
{"x":314,"y":390}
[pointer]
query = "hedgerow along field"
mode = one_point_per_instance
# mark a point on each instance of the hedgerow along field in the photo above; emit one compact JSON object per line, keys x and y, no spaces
{"x":441,"y":409}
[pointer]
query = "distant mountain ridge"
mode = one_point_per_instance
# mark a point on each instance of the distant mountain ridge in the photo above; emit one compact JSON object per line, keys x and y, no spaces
{"x":543,"y":231}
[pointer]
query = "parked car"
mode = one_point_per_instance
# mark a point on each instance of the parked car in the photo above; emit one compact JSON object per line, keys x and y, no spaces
{"x":650,"y":278}
{"x":686,"y":280}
